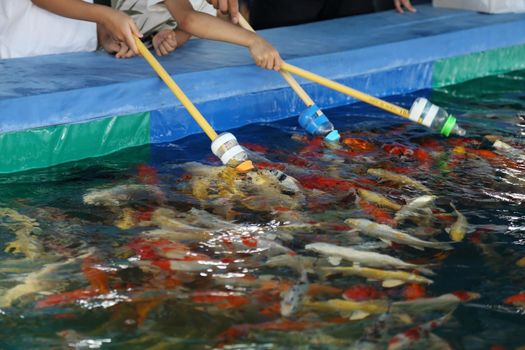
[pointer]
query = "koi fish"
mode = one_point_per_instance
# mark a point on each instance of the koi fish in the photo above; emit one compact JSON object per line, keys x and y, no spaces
{"x":292,"y":299}
{"x":378,"y":199}
{"x":388,"y":235}
{"x":416,"y":207}
{"x":362,"y":292}
{"x":397,"y":149}
{"x":25,"y":229}
{"x":415,"y":334}
{"x":521,"y":262}
{"x":326,"y":184}
{"x":147,"y":174}
{"x":377,"y":213}
{"x":507,"y":149}
{"x":123,"y":195}
{"x":446,"y":302}
{"x":516,"y":300}
{"x":414,"y":291}
{"x":390,"y":278}
{"x":35,"y":282}
{"x":337,"y":253}
{"x":354,"y":310}
{"x":459,"y":228}
{"x":296,"y":262}
{"x":397,"y":178}
{"x":220,"y":299}
{"x":66,"y":298}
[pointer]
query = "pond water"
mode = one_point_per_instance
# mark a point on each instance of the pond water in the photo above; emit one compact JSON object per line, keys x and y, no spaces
{"x":159,"y":248}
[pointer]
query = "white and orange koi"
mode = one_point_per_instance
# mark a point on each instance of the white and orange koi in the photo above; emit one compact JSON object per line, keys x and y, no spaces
{"x":415,"y":334}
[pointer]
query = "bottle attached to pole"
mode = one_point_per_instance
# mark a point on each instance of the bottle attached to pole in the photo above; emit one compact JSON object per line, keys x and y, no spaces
{"x":422,"y":112}
{"x":316,"y":123}
{"x":436,"y":118}
{"x":228,"y":150}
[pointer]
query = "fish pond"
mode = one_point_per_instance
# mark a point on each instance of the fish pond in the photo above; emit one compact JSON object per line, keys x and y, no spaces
{"x":161,"y":248}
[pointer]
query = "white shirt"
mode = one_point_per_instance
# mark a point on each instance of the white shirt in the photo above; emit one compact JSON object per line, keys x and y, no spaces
{"x":27,"y":30}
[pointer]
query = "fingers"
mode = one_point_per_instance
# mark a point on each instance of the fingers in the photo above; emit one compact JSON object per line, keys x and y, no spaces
{"x":397,"y":4}
{"x":278,"y":62}
{"x":408,"y":5}
{"x":124,"y":51}
{"x":233,"y":8}
{"x":130,"y":34}
{"x":223,"y":6}
{"x":164,"y":42}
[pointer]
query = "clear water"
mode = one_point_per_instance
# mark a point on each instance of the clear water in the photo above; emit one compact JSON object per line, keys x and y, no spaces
{"x":150,"y":308}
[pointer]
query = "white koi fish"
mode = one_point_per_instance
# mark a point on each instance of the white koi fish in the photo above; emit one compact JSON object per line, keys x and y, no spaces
{"x":337,"y":253}
{"x":418,"y":207}
{"x":388,"y":235}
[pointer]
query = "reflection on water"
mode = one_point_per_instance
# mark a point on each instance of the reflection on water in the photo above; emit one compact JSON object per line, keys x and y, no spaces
{"x":148,"y":249}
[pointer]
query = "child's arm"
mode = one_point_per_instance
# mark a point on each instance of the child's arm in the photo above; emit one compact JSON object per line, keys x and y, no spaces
{"x":120,"y":25}
{"x":208,"y":27}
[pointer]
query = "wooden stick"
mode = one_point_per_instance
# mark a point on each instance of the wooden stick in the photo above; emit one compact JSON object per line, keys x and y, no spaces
{"x":303,"y":95}
{"x":194,"y":112}
{"x":374,"y":101}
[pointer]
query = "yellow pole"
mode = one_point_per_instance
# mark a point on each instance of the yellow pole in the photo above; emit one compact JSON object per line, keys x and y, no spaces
{"x":287,"y":76}
{"x":392,"y":108}
{"x":157,"y":67}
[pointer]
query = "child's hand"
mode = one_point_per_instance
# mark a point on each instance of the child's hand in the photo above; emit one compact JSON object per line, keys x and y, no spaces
{"x":164,"y":42}
{"x":264,"y":54}
{"x":122,"y":29}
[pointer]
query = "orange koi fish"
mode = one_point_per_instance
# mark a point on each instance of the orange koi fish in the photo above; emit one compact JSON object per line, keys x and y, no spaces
{"x":379,"y":215}
{"x":220,"y":299}
{"x":362,"y":292}
{"x":414,"y":291}
{"x":96,"y":277}
{"x":147,"y":174}
{"x":516,"y":300}
{"x":358,"y":145}
{"x":327,"y":184}
{"x":66,"y":298}
{"x":396,"y":149}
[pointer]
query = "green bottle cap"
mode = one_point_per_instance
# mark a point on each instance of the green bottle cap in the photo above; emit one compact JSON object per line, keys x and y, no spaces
{"x":448,"y":126}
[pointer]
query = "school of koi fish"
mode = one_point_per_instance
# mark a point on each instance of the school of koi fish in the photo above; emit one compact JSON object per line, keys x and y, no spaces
{"x":324,"y":246}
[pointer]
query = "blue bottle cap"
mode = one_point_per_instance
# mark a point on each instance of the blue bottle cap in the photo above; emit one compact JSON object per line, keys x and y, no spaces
{"x":333,"y":136}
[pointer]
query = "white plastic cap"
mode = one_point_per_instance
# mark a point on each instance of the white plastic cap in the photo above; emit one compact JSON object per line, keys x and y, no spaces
{"x":417,"y":109}
{"x":230,"y":153}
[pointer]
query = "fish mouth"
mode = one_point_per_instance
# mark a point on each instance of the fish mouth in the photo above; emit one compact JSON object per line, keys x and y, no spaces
{"x":351,"y":222}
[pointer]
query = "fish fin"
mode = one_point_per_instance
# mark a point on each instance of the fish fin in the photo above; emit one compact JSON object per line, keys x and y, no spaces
{"x":447,"y":230}
{"x":405,"y":318}
{"x":356,"y":315}
{"x":354,"y":230}
{"x":334,"y":260}
{"x":392,"y":283}
{"x":386,"y":241}
{"x":425,"y":271}
{"x":418,"y":248}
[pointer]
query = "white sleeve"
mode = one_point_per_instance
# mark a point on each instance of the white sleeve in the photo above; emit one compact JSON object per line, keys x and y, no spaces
{"x":27,"y":30}
{"x":203,"y":6}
